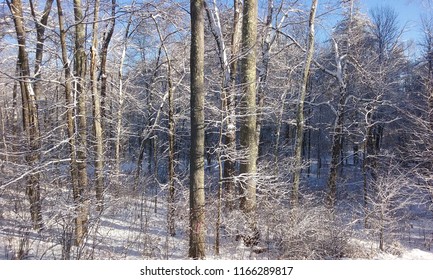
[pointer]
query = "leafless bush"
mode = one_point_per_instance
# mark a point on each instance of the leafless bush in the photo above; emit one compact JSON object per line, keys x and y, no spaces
{"x":393,"y":193}
{"x":313,"y":233}
{"x":18,"y":248}
{"x":66,"y":239}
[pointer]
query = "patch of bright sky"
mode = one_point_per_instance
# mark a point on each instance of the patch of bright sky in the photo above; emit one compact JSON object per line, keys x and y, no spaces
{"x":409,"y":15}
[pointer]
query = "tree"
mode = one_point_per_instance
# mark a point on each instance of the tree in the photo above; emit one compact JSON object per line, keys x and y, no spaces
{"x":97,"y":114}
{"x":385,"y":44}
{"x":348,"y":45}
{"x":230,"y":136}
{"x":197,"y":196}
{"x":40,"y":34}
{"x":227,"y":142}
{"x":300,"y":110}
{"x":428,"y":54}
{"x":385,"y":30}
{"x":394,"y":195}
{"x":80,"y":193}
{"x":248,"y":121}
{"x":69,"y":105}
{"x":269,"y":37}
{"x":228,"y":94}
{"x":107,"y":35}
{"x":171,"y":134}
{"x":29,"y":106}
{"x":252,"y":100}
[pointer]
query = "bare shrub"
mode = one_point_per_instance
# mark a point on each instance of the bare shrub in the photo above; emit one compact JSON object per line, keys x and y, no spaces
{"x":18,"y":248}
{"x":313,"y":233}
{"x":389,"y":203}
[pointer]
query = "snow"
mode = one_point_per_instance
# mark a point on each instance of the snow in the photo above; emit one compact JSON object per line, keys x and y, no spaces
{"x":133,"y":226}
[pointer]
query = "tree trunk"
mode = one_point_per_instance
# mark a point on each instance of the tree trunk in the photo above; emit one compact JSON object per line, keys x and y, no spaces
{"x":197,"y":196}
{"x":171,"y":132}
{"x":278,"y":130}
{"x":69,"y":100}
{"x":40,"y":37}
{"x":98,"y":146}
{"x":15,"y":125}
{"x":227,"y":133}
{"x":81,"y":192}
{"x":336,"y":149}
{"x":30,"y":116}
{"x":228,"y":94}
{"x":117,"y":145}
{"x":171,"y":129}
{"x":300,"y":110}
{"x":270,"y":34}
{"x":230,"y":135}
{"x":103,"y":60}
{"x":264,"y":68}
{"x":248,"y":135}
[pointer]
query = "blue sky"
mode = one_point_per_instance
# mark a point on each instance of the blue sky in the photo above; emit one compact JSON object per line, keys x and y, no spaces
{"x":409,"y":14}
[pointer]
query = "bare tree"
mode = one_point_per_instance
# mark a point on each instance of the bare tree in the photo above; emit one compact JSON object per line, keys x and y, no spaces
{"x":40,"y":34}
{"x":427,"y":44}
{"x":30,"y":112}
{"x":107,"y":35}
{"x":121,"y":94}
{"x":68,"y":99}
{"x":385,"y":29}
{"x":80,"y":61}
{"x":248,"y":121}
{"x":269,"y":37}
{"x":395,"y":194}
{"x":197,"y":197}
{"x":98,"y":146}
{"x":300,"y":110}
{"x":227,"y":143}
{"x":385,"y":33}
{"x":171,"y":133}
{"x":229,"y":64}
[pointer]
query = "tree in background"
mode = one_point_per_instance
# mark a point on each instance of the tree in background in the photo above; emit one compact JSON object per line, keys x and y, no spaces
{"x":362,"y":110}
{"x":300,"y":109}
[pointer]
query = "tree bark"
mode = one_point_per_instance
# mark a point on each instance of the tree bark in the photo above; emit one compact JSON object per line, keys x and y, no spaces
{"x":248,"y":122}
{"x":270,"y":34}
{"x":69,"y":99}
{"x":108,"y":34}
{"x":171,"y":175}
{"x":228,"y":94}
{"x":336,"y":149}
{"x":30,"y":116}
{"x":230,"y":135}
{"x":300,"y":110}
{"x":197,"y":195}
{"x":117,"y":145}
{"x":98,"y":146}
{"x":40,"y":37}
{"x":264,"y":68}
{"x":171,"y":132}
{"x":81,"y":192}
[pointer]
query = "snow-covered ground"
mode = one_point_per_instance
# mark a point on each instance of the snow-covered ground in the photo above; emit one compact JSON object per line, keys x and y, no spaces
{"x":133,"y":226}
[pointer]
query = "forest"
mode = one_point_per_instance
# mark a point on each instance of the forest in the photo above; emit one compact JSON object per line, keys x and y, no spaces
{"x":234,"y":129}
